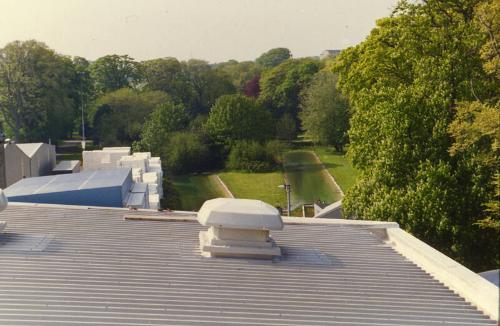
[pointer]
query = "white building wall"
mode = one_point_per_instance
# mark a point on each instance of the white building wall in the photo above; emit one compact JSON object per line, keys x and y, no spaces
{"x":43,"y":161}
{"x":14,"y":167}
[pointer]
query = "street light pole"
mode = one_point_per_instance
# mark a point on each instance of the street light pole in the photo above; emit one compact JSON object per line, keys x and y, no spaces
{"x":83,"y":118}
{"x":3,"y":172}
{"x":288,"y":189}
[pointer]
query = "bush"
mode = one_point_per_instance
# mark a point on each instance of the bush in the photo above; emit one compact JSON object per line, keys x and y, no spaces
{"x":237,"y":117}
{"x":274,"y":151}
{"x":254,"y":157}
{"x":186,"y":152}
{"x":171,"y":198}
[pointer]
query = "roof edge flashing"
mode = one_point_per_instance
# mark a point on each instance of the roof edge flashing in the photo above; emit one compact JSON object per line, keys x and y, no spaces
{"x":469,"y":285}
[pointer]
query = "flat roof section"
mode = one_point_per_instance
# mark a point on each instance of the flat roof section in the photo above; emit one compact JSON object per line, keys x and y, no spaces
{"x":100,"y":268}
{"x":64,"y":166}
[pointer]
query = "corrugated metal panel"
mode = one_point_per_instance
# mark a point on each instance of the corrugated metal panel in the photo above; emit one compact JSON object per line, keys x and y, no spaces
{"x":101,"y":269}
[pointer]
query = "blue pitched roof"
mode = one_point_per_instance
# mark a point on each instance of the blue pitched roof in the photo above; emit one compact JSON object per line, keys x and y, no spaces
{"x":93,"y":188}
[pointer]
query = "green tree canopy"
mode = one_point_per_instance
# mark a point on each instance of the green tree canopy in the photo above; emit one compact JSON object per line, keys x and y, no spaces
{"x":186,"y":152}
{"x":113,"y":72}
{"x":208,"y":85}
{"x":165,"y":119}
{"x":237,"y":117}
{"x":281,"y":86}
{"x":403,"y":84}
{"x":325,"y":112}
{"x":273,"y":57}
{"x":118,"y":117}
{"x":37,"y":92}
{"x":476,"y":134}
{"x":170,"y":76}
{"x":240,"y":73}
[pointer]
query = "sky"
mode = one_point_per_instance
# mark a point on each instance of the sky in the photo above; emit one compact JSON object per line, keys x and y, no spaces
{"x":213,"y":30}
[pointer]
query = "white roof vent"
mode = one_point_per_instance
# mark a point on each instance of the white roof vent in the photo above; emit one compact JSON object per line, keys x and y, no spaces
{"x":3,"y":205}
{"x":238,"y":228}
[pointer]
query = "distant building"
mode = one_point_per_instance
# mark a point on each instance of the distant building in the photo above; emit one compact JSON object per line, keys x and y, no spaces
{"x":28,"y":160}
{"x":329,"y":54}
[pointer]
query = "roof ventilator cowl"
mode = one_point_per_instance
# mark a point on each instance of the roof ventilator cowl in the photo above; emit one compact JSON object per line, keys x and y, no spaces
{"x":239,"y":228}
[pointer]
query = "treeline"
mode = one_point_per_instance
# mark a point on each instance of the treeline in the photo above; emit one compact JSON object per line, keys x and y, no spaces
{"x":425,"y":127}
{"x":417,"y":102}
{"x":195,"y":115}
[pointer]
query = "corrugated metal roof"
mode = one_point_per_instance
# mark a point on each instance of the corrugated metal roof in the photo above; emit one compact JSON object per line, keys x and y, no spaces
{"x":101,"y":269}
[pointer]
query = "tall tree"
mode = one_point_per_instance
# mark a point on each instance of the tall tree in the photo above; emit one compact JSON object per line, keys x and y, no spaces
{"x":282,"y":85}
{"x":325,"y":112}
{"x":118,"y":117}
{"x":252,"y":87}
{"x":403,"y":83}
{"x":240,"y":73}
{"x":165,"y":119}
{"x":170,"y":76}
{"x":274,"y":57}
{"x":237,"y":117}
{"x":113,"y":72}
{"x":208,"y":85}
{"x":37,"y":98}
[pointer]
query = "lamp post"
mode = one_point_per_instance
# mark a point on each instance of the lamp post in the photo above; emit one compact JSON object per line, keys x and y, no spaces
{"x":288,"y":190}
{"x":83,"y":116}
{"x":3,"y":172}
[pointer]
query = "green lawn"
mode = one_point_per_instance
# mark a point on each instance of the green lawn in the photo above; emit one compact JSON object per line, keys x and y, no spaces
{"x":338,"y":166}
{"x":195,"y":189}
{"x":308,"y":178}
{"x":262,"y":186}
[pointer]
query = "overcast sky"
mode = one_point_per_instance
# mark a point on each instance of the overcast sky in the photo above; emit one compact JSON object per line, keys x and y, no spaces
{"x":214,"y":30}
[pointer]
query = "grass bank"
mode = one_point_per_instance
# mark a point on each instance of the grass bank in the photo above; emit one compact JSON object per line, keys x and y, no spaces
{"x":339,"y":167}
{"x":262,"y":186}
{"x":193,"y":190}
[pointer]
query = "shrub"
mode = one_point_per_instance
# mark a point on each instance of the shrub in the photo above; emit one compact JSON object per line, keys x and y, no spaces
{"x":186,"y":152}
{"x":254,"y":157}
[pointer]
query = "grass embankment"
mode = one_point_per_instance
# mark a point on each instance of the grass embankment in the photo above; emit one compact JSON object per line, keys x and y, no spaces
{"x":262,"y":186}
{"x":339,"y":167}
{"x":195,"y":189}
{"x":309,"y":180}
